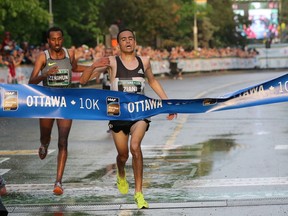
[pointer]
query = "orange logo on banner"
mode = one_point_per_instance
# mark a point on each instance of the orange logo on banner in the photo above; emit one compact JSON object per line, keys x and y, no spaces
{"x":114,"y":42}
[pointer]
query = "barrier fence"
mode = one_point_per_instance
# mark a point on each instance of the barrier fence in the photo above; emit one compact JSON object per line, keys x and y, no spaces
{"x":267,"y":58}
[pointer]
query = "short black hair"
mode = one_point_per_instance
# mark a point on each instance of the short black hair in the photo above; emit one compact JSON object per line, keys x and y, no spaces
{"x":122,"y":30}
{"x":52,"y":29}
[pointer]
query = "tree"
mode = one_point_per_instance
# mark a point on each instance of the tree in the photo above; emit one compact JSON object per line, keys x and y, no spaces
{"x":206,"y":31}
{"x":148,"y":18}
{"x":283,"y":13}
{"x":188,"y":12}
{"x":78,"y":19}
{"x":25,"y":19}
{"x":222,"y":17}
{"x":167,"y":21}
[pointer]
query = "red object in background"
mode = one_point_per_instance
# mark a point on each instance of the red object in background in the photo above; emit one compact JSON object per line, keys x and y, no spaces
{"x":114,"y":42}
{"x":6,"y":40}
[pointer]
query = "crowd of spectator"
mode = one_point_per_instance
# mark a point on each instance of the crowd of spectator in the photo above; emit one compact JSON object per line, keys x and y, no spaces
{"x":180,"y":53}
{"x":13,"y":54}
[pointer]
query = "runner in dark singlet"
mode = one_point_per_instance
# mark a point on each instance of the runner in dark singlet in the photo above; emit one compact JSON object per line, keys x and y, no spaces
{"x":128,"y":73}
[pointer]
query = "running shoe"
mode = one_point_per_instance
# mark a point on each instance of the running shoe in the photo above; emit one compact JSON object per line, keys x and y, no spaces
{"x":42,"y":151}
{"x":58,"y":190}
{"x":140,"y":201}
{"x":122,"y":184}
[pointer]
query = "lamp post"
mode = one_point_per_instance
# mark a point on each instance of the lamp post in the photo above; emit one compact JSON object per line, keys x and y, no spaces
{"x":51,"y":22}
{"x":195,"y":32}
{"x":202,"y":3}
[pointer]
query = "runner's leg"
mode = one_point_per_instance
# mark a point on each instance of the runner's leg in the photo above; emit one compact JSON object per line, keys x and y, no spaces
{"x":137,"y":133}
{"x":46,"y":126}
{"x":64,"y":126}
{"x":121,"y":143}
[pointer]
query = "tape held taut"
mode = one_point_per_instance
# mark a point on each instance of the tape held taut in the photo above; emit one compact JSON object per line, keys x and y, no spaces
{"x":33,"y":101}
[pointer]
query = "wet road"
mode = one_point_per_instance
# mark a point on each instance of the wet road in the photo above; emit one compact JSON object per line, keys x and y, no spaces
{"x":207,"y":161}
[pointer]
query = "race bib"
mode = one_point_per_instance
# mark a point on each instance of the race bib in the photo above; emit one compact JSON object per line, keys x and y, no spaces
{"x":61,"y":78}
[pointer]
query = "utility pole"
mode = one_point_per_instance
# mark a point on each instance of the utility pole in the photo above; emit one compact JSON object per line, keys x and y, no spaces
{"x":51,"y":22}
{"x":195,"y":32}
{"x":201,"y":3}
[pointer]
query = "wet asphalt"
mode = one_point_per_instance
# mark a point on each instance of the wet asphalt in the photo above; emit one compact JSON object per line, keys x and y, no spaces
{"x":223,"y":163}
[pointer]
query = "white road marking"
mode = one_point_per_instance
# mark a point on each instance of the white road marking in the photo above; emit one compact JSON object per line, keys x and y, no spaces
{"x":281,"y":147}
{"x":237,"y":182}
{"x":3,"y":171}
{"x":189,"y":184}
{"x":69,"y":187}
{"x":3,"y":159}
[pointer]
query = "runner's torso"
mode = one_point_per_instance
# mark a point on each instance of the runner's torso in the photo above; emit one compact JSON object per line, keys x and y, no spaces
{"x":132,"y":81}
{"x":62,"y":79}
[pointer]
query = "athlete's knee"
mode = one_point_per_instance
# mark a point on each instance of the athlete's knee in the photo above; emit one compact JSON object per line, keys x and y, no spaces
{"x":63,"y":144}
{"x":135,"y":149}
{"x":123,"y":157}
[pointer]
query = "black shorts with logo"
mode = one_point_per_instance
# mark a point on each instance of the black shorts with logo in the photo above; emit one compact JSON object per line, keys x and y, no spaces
{"x":125,"y":126}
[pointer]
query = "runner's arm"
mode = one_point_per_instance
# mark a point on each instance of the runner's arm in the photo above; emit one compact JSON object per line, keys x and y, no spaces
{"x":156,"y":86}
{"x":39,"y":64}
{"x":99,"y":66}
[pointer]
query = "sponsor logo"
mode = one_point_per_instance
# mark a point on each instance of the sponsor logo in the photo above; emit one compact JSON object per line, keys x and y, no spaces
{"x":113,"y":106}
{"x":209,"y":101}
{"x":140,"y":71}
{"x":10,"y":102}
{"x":51,"y":63}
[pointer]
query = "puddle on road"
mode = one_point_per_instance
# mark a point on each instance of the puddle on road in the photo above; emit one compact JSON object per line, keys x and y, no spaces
{"x":182,"y":164}
{"x":162,"y":169}
{"x":193,"y":161}
{"x":213,"y":150}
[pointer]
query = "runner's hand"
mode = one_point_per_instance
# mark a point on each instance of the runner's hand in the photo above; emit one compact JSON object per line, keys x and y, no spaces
{"x":51,"y":71}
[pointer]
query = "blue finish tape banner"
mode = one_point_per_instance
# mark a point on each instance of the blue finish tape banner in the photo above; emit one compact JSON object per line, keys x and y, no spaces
{"x":33,"y":101}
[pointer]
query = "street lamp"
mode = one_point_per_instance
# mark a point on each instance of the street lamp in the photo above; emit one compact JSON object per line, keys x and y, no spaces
{"x":195,"y":32}
{"x":51,"y":22}
{"x":195,"y":29}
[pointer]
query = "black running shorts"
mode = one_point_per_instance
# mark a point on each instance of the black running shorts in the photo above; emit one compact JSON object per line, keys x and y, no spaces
{"x":125,"y":126}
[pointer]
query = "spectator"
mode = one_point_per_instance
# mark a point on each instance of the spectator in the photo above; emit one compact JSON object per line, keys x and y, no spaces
{"x":27,"y":59}
{"x":175,"y":71}
{"x":6,"y":40}
{"x":10,"y":62}
{"x":2,"y":186}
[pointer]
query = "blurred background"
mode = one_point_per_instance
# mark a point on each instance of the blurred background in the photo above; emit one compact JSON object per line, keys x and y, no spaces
{"x":169,"y":31}
{"x":158,"y":23}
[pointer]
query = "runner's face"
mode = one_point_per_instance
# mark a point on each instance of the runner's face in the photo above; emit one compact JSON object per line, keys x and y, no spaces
{"x":55,"y":41}
{"x":127,"y":42}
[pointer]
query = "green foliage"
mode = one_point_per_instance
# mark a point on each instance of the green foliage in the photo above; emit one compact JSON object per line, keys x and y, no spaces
{"x":84,"y":22}
{"x":148,"y":18}
{"x":191,"y":12}
{"x":284,"y":13}
{"x":206,"y":31}
{"x":222,"y":17}
{"x":25,"y":19}
{"x":79,"y":19}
